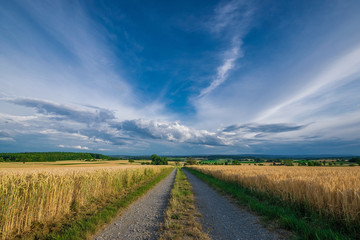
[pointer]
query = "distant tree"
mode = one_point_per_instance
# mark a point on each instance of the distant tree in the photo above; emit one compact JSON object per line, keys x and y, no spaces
{"x":156,"y":160}
{"x":257,"y":160}
{"x":131,"y":160}
{"x":2,"y":159}
{"x":287,"y":162}
{"x":355,"y":160}
{"x":191,"y":161}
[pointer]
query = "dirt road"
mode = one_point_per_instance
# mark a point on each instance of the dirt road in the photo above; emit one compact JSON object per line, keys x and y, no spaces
{"x":143,"y":218}
{"x":223,"y":219}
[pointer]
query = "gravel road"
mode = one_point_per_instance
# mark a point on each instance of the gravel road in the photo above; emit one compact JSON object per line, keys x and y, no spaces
{"x":143,"y":218}
{"x":223,"y":219}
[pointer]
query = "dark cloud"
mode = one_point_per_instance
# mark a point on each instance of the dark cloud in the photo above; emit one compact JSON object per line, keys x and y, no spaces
{"x":275,"y":128}
{"x":231,"y":128}
{"x":95,"y":115}
{"x":104,"y":136}
{"x":134,"y":129}
{"x":264,"y":128}
{"x":4,"y":134}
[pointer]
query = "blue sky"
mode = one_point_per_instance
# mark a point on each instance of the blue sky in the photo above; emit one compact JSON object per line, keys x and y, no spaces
{"x":180,"y":77}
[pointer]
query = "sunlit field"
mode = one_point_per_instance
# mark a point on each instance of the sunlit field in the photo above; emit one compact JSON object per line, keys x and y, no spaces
{"x":64,"y":164}
{"x":332,"y":191}
{"x":34,"y":194}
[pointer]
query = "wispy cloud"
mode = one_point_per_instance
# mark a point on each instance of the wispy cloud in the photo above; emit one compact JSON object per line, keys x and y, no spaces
{"x":222,"y":71}
{"x":231,"y":22}
{"x":4,"y":136}
{"x":341,"y":71}
{"x":55,"y":50}
{"x":87,"y":114}
{"x":264,"y":128}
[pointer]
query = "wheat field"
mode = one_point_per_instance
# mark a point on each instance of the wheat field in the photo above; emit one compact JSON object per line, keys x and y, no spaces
{"x":332,"y":191}
{"x":31,"y":196}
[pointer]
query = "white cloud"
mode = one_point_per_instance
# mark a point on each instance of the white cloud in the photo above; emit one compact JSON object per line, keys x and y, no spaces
{"x":81,"y":147}
{"x":65,"y":61}
{"x":231,"y":21}
{"x":341,"y":71}
{"x":223,"y":70}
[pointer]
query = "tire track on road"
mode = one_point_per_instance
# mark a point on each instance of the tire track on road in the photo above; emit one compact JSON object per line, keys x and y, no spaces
{"x":143,"y":218}
{"x":224,"y":220}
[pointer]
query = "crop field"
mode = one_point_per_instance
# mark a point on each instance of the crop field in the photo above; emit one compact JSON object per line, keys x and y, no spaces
{"x":331,"y":191}
{"x":41,"y":194}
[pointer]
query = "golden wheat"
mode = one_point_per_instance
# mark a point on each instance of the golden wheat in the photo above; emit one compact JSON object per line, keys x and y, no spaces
{"x":40,"y":196}
{"x":331,"y":191}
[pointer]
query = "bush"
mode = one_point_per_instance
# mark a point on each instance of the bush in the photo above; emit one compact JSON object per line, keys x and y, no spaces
{"x":131,"y":160}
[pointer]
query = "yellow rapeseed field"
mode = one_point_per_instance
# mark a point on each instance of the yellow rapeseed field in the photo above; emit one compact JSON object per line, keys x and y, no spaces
{"x":332,"y":191}
{"x":31,"y":196}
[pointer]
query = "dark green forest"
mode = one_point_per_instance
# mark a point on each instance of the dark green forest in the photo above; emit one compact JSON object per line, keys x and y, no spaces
{"x":51,"y":156}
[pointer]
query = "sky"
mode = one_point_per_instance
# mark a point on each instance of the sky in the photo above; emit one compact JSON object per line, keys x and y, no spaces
{"x":180,"y":77}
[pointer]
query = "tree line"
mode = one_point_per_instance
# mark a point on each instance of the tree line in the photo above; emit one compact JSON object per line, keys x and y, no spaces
{"x":50,"y":156}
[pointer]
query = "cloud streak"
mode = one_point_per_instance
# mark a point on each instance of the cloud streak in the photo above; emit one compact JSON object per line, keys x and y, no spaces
{"x":337,"y":73}
{"x":231,"y":19}
{"x":85,"y":115}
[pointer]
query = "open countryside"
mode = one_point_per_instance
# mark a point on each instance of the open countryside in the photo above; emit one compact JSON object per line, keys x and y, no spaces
{"x":179,"y":120}
{"x":75,"y":199}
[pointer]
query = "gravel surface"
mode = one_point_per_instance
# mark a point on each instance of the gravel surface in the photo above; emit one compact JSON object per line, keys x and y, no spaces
{"x":223,"y":219}
{"x":143,"y":218}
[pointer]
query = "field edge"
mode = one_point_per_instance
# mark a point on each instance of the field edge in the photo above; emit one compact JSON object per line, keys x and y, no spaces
{"x":306,"y":225}
{"x":87,"y":226}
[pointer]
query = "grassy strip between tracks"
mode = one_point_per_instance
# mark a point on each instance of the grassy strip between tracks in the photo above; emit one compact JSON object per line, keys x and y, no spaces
{"x":305,"y":224}
{"x":181,"y":217}
{"x":84,"y":227}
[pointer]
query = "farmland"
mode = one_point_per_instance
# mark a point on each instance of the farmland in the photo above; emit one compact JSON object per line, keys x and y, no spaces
{"x":333,"y":193}
{"x":42,"y":200}
{"x":40,"y":194}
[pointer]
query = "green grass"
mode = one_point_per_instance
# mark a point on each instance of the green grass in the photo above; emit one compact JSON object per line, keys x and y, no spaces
{"x":84,"y":227}
{"x":306,"y":224}
{"x":181,"y":216}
